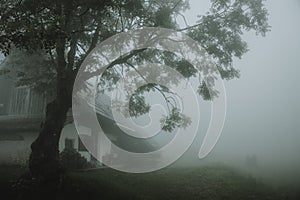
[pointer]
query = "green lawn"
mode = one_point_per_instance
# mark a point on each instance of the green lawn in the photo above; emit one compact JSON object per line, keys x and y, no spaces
{"x":173,"y":183}
{"x":213,"y":183}
{"x":8,"y":175}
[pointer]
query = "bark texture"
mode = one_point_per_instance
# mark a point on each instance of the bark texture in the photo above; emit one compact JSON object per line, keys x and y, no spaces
{"x":44,"y":159}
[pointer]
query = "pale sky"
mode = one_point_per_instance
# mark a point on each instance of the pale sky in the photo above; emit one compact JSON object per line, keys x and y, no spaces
{"x":263,"y":115}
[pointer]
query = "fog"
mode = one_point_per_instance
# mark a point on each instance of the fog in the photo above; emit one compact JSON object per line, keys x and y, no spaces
{"x":263,"y":110}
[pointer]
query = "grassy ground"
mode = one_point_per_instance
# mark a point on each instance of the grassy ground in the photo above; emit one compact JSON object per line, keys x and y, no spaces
{"x":8,"y":175}
{"x":214,"y":183}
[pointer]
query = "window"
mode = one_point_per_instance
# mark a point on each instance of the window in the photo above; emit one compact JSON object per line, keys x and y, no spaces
{"x":69,"y":143}
{"x":81,"y":146}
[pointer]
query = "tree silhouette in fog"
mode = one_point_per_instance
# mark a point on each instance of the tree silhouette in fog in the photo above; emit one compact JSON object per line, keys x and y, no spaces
{"x":64,"y":32}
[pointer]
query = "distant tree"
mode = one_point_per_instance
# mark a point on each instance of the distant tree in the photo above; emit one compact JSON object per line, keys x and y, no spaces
{"x":31,"y":68}
{"x":66,"y":31}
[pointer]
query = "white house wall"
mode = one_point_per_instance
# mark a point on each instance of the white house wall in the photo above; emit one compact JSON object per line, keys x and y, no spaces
{"x":70,"y":132}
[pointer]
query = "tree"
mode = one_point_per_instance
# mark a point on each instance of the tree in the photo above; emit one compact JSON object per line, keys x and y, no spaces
{"x":66,"y":31}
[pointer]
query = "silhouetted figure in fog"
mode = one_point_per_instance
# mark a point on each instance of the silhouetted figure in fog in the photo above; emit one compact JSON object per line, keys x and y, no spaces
{"x":251,"y":161}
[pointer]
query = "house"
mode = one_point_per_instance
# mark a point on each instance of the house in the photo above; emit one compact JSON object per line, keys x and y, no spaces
{"x":70,"y":138}
{"x":20,"y":100}
{"x":22,"y":111}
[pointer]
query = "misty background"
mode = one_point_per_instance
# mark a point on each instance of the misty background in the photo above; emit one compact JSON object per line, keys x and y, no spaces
{"x":263,"y":111}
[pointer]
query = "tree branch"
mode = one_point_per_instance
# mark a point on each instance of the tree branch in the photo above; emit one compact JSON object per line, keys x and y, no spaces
{"x":120,"y":60}
{"x":189,"y":27}
{"x":72,"y":52}
{"x":157,"y":88}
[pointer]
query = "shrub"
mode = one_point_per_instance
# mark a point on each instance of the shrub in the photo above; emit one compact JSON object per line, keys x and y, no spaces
{"x":70,"y":159}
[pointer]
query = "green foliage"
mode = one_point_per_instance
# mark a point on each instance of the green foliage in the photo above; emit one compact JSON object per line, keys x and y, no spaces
{"x":31,"y":68}
{"x":220,"y":31}
{"x":207,"y":94}
{"x":70,"y":159}
{"x":229,"y":73}
{"x":137,"y":105}
{"x":212,"y":182}
{"x":163,"y":18}
{"x":54,"y":37}
{"x":175,"y":120}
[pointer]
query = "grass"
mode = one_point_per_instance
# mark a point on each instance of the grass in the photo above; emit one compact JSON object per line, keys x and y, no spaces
{"x":9,"y":174}
{"x":173,"y":183}
{"x":213,"y":183}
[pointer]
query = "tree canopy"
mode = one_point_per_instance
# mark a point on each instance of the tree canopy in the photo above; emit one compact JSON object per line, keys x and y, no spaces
{"x":54,"y":37}
{"x":48,"y":40}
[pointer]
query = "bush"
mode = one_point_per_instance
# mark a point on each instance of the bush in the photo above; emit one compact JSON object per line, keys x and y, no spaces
{"x":70,"y":159}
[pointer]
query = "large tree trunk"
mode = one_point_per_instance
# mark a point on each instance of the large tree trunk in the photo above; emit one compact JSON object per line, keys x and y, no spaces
{"x":44,"y":159}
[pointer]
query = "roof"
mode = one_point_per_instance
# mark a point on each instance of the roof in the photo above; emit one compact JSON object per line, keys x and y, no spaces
{"x":123,"y":140}
{"x":16,"y":124}
{"x":112,"y":129}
